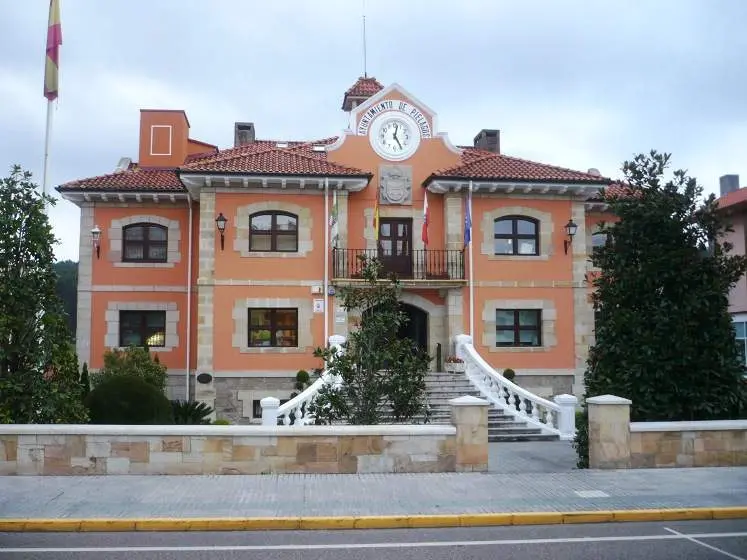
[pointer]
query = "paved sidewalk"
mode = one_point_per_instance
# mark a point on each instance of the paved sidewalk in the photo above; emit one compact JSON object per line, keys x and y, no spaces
{"x":356,"y":495}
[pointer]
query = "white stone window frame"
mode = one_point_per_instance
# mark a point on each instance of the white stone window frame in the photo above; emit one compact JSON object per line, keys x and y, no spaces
{"x":241,"y":228}
{"x":240,"y":315}
{"x":116,"y":235}
{"x":111,"y":339}
{"x":548,"y":333}
{"x":545,"y":236}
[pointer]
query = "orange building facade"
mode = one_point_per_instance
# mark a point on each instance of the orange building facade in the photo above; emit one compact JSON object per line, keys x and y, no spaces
{"x":227,"y":262}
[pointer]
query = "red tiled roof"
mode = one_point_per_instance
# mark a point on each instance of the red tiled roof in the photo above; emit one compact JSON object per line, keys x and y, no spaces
{"x":364,"y":88}
{"x":482,"y":164}
{"x":733,"y":199}
{"x":133,"y":179}
{"x":266,"y":158}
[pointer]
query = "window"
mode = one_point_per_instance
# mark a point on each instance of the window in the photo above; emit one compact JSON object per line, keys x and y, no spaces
{"x":598,"y":239}
{"x":273,"y":327}
{"x":273,"y":231}
{"x":516,"y":235}
{"x":740,"y":328}
{"x":142,"y":328}
{"x":518,"y":327}
{"x":144,"y":243}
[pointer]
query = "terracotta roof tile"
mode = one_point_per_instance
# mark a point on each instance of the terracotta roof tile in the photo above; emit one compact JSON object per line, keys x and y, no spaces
{"x":364,"y":88}
{"x":134,"y":179}
{"x":266,"y":158}
{"x":482,"y":164}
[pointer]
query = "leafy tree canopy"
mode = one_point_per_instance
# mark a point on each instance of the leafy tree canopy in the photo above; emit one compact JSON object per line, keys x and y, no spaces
{"x":381,"y":373}
{"x":38,"y":365}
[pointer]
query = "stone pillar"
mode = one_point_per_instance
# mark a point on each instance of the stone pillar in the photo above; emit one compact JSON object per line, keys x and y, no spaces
{"x":609,"y":432}
{"x":270,"y":407}
{"x":454,"y":318}
{"x":205,"y":392}
{"x":470,"y":416}
{"x":566,"y":416}
{"x":85,"y":283}
{"x":583,"y":313}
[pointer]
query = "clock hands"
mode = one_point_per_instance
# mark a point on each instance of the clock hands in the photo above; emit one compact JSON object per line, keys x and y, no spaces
{"x":395,"y":136}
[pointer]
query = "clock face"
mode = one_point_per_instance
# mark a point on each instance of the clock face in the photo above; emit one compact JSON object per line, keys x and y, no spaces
{"x":394,"y":136}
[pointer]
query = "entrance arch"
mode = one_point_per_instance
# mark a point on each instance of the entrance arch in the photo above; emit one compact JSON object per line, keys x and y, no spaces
{"x":416,"y":326}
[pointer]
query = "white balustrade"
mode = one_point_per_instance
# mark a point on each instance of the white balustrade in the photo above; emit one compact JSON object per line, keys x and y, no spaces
{"x":555,"y":418}
{"x":296,"y":411}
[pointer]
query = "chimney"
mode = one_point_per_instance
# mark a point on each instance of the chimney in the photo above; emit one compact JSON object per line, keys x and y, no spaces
{"x":728,"y":183}
{"x":489,"y":139}
{"x":243,"y":133}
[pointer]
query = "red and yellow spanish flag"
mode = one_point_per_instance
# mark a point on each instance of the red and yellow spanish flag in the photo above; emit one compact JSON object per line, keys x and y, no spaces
{"x":54,"y":40}
{"x":376,"y":218}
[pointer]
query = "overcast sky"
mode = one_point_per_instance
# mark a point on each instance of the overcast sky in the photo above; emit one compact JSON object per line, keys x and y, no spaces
{"x":576,"y":83}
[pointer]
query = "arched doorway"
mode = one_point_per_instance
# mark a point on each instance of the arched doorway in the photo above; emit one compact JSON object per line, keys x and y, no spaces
{"x":415,"y":328}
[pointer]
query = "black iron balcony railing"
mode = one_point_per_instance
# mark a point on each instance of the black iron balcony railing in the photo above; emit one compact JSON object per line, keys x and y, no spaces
{"x":422,"y":264}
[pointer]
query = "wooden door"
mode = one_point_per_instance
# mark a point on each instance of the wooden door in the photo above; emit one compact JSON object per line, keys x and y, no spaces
{"x":395,"y":245}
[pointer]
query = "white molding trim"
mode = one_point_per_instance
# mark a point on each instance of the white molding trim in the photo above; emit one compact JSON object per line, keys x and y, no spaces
{"x":580,"y":190}
{"x":398,"y":88}
{"x":230,"y":431}
{"x":171,"y":139}
{"x":444,"y":137}
{"x":687,"y":426}
{"x":254,"y":374}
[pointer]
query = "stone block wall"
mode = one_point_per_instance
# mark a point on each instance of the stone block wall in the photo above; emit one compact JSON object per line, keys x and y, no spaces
{"x":689,"y":444}
{"x":615,"y":442}
{"x":174,"y":450}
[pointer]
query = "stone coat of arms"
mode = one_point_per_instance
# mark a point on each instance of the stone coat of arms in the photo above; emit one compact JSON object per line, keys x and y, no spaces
{"x":395,"y":184}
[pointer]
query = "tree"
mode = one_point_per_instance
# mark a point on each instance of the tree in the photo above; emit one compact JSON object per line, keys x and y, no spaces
{"x":67,"y":290}
{"x":664,"y":336}
{"x":380,"y":373}
{"x":38,"y":366}
{"x":85,"y":381}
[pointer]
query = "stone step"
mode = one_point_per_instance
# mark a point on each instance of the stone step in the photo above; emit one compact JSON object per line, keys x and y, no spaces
{"x":521,"y":437}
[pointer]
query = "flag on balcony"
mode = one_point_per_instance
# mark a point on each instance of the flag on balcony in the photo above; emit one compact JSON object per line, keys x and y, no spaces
{"x":468,"y":221}
{"x":376,"y":218}
{"x":333,"y":217}
{"x":52,"y":60}
{"x":426,"y":219}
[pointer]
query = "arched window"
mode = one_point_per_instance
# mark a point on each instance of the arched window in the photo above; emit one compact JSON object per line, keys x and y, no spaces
{"x":598,"y":239}
{"x":145,"y":242}
{"x":516,"y":235}
{"x":274,"y":232}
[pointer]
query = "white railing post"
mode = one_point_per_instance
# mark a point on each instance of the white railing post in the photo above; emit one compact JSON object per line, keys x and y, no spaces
{"x":269,"y":411}
{"x":566,"y":416}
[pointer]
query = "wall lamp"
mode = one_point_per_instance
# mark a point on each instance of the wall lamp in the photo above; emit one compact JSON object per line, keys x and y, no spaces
{"x":570,"y":231}
{"x":96,"y":240}
{"x":220,"y":223}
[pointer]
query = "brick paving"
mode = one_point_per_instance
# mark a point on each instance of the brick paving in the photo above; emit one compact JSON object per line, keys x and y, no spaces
{"x":524,"y":477}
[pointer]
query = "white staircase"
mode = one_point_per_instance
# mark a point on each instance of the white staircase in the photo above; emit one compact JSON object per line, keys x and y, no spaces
{"x":443,"y":386}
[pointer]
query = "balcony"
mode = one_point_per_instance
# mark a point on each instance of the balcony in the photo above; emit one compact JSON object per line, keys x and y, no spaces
{"x":440,"y":268}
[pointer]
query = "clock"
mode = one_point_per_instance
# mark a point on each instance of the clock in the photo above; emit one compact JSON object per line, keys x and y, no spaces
{"x":394,"y":136}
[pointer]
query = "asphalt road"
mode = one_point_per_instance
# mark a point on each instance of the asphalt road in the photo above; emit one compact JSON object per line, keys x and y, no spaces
{"x":686,"y":540}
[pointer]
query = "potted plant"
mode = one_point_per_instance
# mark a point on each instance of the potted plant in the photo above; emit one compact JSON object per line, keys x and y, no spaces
{"x":454,"y":364}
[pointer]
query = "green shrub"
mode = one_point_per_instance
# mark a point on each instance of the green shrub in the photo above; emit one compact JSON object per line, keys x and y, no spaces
{"x":581,"y":441}
{"x":123,"y":399}
{"x":221,"y":422}
{"x":194,"y":412}
{"x":132,"y":362}
{"x":509,"y":374}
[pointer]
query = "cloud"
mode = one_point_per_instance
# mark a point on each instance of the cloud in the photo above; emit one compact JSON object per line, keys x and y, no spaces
{"x":575,"y":83}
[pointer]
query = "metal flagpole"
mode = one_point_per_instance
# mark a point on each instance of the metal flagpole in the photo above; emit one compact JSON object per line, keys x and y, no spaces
{"x":45,"y":173}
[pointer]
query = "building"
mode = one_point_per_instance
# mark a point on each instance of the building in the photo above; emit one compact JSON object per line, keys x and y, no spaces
{"x":222,"y":261}
{"x":733,"y":203}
